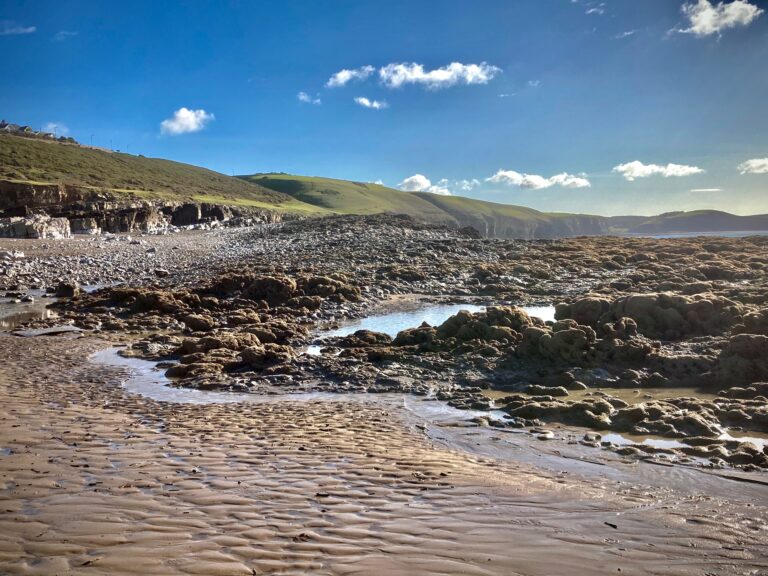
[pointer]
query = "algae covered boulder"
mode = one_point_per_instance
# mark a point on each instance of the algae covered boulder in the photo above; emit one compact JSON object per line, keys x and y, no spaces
{"x":670,"y":316}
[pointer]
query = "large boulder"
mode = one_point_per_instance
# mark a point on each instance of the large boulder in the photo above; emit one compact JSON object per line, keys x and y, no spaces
{"x":670,"y":317}
{"x":38,"y":226}
{"x":744,"y":360}
{"x":586,"y":311}
{"x":275,"y":290}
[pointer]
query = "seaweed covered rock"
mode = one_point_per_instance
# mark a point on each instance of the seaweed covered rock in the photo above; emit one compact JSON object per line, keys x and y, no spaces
{"x":495,"y":324}
{"x":565,"y":342}
{"x":755,"y":323}
{"x":670,"y":317}
{"x":591,"y":413}
{"x":587,"y":311}
{"x":744,"y":360}
{"x":260,"y":357}
{"x":275,"y":290}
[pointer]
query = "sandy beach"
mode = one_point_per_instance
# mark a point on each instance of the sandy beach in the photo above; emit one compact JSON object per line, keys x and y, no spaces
{"x":95,"y":481}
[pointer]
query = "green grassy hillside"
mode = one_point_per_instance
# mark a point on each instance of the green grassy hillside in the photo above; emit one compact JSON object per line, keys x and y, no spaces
{"x":43,"y":162}
{"x":346,"y":197}
{"x":491,"y":219}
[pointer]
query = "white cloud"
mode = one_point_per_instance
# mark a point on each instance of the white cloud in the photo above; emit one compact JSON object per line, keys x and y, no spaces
{"x":343,"y":77}
{"x":380,"y":182}
{"x":57,"y":128}
{"x":705,"y":18}
{"x":307,"y":99}
{"x":596,"y":9}
{"x":62,"y":35}
{"x":11,"y":28}
{"x":626,"y":34}
{"x":397,"y":75}
{"x":534,"y":83}
{"x":704,"y":190}
{"x":633,"y":170}
{"x":536,"y":182}
{"x":420,"y":183}
{"x":468,"y":185}
{"x":185,"y":120}
{"x":374,"y":104}
{"x":754,"y":166}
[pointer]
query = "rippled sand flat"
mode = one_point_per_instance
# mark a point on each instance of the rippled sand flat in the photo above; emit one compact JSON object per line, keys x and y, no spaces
{"x":98,"y":482}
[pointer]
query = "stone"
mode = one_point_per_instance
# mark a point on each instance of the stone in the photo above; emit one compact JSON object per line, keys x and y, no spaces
{"x":67,"y":290}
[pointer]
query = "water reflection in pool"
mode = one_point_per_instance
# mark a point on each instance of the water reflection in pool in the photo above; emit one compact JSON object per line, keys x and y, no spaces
{"x":13,"y":315}
{"x":434,"y":315}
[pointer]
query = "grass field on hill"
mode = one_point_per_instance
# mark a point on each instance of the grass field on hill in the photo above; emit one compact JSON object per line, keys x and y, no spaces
{"x":42,"y":162}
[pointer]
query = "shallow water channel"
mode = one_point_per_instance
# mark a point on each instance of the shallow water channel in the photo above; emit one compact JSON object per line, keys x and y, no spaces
{"x":393,"y":322}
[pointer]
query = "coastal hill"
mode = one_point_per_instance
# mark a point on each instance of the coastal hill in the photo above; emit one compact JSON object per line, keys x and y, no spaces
{"x":700,"y":220}
{"x":40,"y":173}
{"x":86,"y":171}
{"x":490,"y":219}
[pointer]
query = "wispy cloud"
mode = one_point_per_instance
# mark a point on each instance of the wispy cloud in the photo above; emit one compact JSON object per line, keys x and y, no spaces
{"x":626,"y":34}
{"x":468,"y":185}
{"x":307,"y":99}
{"x":374,"y":104}
{"x":345,"y":76}
{"x":705,"y":190}
{"x":596,"y":8}
{"x":62,"y":35}
{"x":420,"y":183}
{"x":185,"y":120}
{"x":754,"y":166}
{"x":58,"y":128}
{"x":705,"y":18}
{"x":12,"y":28}
{"x":534,"y":83}
{"x":397,"y":75}
{"x":636,"y":169}
{"x":537,"y":182}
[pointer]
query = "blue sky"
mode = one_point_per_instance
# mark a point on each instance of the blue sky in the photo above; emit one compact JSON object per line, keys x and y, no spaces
{"x":613,"y":107}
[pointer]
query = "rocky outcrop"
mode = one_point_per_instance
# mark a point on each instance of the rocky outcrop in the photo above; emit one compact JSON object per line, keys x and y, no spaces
{"x":665,"y":316}
{"x":38,"y":226}
{"x":75,"y":210}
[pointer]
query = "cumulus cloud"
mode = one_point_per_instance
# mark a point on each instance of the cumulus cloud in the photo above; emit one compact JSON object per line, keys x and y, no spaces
{"x":185,"y":120}
{"x":420,"y":183}
{"x":374,"y":104}
{"x":57,"y":128}
{"x":537,"y":182}
{"x":754,"y":166}
{"x":705,"y":18}
{"x":307,"y":99}
{"x":633,"y":170}
{"x":345,"y":76}
{"x":397,"y":75}
{"x":11,"y":28}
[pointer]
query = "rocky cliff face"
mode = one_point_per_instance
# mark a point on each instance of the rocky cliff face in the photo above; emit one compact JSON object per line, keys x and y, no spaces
{"x":55,"y":211}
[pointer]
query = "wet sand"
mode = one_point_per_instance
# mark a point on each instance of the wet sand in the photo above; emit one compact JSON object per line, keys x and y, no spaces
{"x":95,"y":481}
